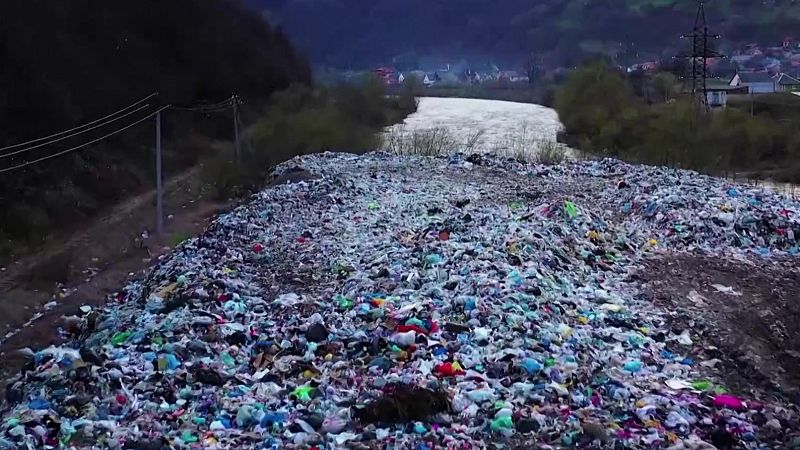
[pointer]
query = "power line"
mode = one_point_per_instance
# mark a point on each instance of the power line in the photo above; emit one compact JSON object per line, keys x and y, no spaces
{"x":80,"y":126}
{"x":224,"y":104}
{"x":6,"y":155}
{"x":216,"y":110}
{"x":78,"y":147}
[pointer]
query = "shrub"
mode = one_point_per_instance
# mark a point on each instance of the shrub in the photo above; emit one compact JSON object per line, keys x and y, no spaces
{"x":430,"y":142}
{"x":601,"y":115}
{"x":550,"y":152}
{"x":224,"y":177}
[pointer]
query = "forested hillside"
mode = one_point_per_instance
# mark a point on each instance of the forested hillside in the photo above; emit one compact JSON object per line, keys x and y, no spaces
{"x":355,"y":32}
{"x":70,"y":61}
{"x":65,"y":63}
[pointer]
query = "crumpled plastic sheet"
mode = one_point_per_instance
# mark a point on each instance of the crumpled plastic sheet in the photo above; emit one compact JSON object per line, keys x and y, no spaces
{"x":500,"y":289}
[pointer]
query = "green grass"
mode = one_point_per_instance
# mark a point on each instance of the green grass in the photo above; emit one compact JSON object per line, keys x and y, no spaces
{"x":178,"y":238}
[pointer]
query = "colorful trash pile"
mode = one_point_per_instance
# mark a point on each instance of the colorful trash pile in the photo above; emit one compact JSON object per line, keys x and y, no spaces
{"x":414,"y":303}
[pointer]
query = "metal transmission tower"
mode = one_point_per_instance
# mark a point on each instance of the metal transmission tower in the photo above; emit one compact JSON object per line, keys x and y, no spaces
{"x":700,"y":54}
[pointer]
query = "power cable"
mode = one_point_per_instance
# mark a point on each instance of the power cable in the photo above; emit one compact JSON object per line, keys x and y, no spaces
{"x":227,"y":103}
{"x":21,"y":144}
{"x":216,"y":110}
{"x":6,"y":155}
{"x":78,"y":147}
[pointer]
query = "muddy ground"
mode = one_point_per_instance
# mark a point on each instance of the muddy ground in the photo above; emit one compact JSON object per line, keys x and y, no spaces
{"x":752,"y":328}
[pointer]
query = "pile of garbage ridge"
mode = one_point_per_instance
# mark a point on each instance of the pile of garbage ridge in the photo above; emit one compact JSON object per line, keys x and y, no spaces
{"x":417,"y":303}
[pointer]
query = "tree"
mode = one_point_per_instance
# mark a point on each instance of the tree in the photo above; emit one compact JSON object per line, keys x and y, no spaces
{"x":666,"y":85}
{"x":595,"y":102}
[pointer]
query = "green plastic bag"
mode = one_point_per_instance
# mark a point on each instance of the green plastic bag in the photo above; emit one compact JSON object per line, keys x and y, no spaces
{"x":119,"y":338}
{"x":571,"y":209}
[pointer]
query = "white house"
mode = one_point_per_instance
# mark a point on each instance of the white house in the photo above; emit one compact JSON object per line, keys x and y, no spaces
{"x":756,"y":82}
{"x":717,"y":91}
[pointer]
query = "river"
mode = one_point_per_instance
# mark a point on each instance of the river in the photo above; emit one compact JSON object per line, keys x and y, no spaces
{"x":497,"y":119}
{"x":486,"y":125}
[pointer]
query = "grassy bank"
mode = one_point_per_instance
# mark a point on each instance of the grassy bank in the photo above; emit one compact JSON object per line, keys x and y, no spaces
{"x":521,"y":144}
{"x":602,"y":116}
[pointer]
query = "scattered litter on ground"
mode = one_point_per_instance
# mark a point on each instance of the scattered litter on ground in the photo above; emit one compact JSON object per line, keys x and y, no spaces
{"x":415,"y":303}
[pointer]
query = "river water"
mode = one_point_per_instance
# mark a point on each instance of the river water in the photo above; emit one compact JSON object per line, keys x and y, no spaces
{"x":490,"y":125}
{"x":497,"y":119}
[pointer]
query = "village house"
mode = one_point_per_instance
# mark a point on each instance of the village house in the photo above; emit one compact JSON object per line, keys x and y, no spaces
{"x":511,"y":76}
{"x":786,"y":83}
{"x":387,"y":74}
{"x":717,"y":91}
{"x":431,"y":78}
{"x":755,"y":82}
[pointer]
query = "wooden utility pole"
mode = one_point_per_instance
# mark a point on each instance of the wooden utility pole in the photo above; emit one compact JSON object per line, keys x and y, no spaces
{"x":159,"y":183}
{"x":236,"y":128}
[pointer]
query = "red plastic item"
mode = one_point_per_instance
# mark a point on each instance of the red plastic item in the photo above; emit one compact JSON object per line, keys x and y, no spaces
{"x":444,"y":235}
{"x":258,"y":247}
{"x":447,"y":370}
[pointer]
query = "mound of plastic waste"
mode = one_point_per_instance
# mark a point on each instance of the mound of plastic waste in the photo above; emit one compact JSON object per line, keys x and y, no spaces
{"x":406,"y":302}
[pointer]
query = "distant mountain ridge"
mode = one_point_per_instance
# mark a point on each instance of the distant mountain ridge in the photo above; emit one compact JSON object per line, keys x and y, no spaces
{"x":360,"y":32}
